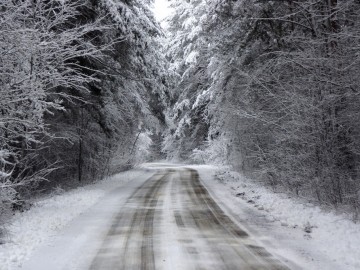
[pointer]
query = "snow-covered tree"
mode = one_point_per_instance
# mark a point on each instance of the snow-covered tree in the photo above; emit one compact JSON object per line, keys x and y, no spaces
{"x":39,"y":51}
{"x":275,"y":82}
{"x":81,"y":82}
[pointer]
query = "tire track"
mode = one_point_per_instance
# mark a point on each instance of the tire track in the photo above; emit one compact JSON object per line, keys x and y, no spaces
{"x":129,"y":242}
{"x":212,"y":218}
{"x":212,"y":230}
{"x":202,"y":232}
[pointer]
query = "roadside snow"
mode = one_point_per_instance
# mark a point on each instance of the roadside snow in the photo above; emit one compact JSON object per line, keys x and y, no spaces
{"x":28,"y":230}
{"x":296,"y":229}
{"x":62,"y":231}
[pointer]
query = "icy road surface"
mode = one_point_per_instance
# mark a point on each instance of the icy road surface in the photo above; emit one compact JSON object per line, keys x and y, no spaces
{"x":171,"y":222}
{"x":167,"y":220}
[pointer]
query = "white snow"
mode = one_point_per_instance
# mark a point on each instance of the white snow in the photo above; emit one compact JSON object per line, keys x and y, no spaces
{"x":62,"y":231}
{"x":332,"y":240}
{"x":192,"y":57}
{"x":48,"y":216}
{"x":161,"y":9}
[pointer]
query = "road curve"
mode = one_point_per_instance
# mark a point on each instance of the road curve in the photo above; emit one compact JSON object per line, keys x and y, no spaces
{"x":172,"y":222}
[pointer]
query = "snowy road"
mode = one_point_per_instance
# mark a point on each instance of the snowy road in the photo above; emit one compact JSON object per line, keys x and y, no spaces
{"x":171,"y":222}
{"x":166,"y":216}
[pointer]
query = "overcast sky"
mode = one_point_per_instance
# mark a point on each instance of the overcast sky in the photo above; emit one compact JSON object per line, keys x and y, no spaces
{"x":161,"y":9}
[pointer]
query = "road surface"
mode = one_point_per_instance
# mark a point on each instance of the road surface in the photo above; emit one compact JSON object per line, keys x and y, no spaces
{"x":171,"y":222}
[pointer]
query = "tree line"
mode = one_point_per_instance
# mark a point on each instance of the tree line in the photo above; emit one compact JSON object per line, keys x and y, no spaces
{"x":82,"y":84}
{"x":271,"y":88}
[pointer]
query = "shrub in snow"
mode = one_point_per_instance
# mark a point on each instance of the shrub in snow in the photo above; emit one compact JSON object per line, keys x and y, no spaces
{"x":308,"y":228}
{"x":7,"y":197}
{"x":58,"y":190}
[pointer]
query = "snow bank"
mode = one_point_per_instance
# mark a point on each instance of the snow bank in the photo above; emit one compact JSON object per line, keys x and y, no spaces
{"x":49,"y":215}
{"x":333,"y":235}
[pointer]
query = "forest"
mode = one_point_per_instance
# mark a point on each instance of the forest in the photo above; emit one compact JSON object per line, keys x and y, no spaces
{"x":82,"y":83}
{"x":272,"y":89}
{"x":92,"y":87}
